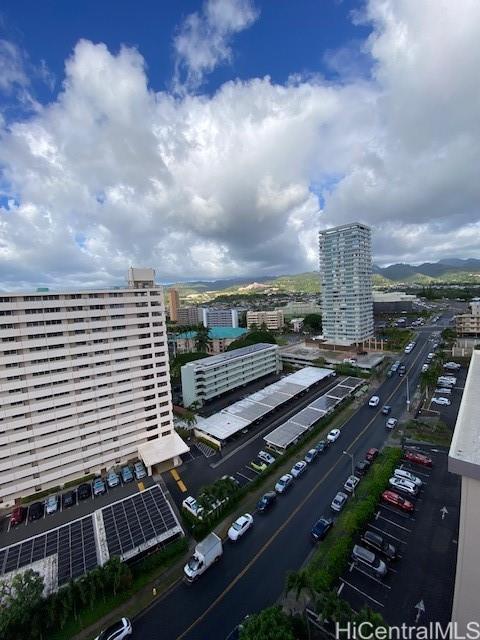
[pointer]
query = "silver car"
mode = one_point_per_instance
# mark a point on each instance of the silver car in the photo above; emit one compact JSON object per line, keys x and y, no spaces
{"x":404,"y":486}
{"x":339,"y":501}
{"x":367,"y":558}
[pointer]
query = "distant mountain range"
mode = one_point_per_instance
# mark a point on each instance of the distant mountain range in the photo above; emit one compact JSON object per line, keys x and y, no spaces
{"x":451,"y":270}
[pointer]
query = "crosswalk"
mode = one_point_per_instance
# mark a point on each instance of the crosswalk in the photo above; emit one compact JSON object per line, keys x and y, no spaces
{"x":205,"y":449}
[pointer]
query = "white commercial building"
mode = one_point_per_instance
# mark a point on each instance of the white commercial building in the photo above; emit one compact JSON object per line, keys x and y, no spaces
{"x":464,"y":460}
{"x":346,"y":283}
{"x":84,"y":384}
{"x":210,"y":377}
{"x":213,"y":317}
{"x":273,"y":320}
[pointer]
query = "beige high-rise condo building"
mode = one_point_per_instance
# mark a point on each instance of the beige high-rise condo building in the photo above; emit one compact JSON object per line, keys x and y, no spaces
{"x":173,"y":304}
{"x":84,"y":384}
{"x":346,"y":283}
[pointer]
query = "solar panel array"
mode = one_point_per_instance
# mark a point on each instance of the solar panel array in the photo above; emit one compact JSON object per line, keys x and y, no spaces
{"x":298,"y":424}
{"x":137,"y":520}
{"x":74,"y":543}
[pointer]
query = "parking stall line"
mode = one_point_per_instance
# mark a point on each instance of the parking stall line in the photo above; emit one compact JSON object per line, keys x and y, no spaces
{"x":371,"y":526}
{"x":357,"y":568}
{"x":253,"y":470}
{"x":244,"y":476}
{"x":395,"y":524}
{"x":362,"y":592}
{"x":414,"y":470}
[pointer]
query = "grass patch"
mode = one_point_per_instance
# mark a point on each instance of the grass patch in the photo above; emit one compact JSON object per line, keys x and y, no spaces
{"x":332,"y":556}
{"x":435,"y":432}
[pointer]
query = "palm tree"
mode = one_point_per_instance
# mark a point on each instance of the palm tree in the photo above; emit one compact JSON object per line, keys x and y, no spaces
{"x":202,"y":338}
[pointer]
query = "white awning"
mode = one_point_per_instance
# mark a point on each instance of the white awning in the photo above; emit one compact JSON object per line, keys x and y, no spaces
{"x":162,"y":449}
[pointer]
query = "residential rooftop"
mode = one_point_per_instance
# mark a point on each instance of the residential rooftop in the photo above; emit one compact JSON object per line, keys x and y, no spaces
{"x":231,"y":355}
{"x":216,"y":333}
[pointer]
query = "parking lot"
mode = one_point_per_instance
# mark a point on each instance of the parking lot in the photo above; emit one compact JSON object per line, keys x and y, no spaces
{"x":10,"y":535}
{"x":418,"y":587}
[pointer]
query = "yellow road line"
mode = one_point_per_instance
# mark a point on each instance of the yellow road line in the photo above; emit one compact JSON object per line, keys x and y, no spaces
{"x":141,"y":486}
{"x":182,"y":487}
{"x":175,"y":475}
{"x":288,"y":520}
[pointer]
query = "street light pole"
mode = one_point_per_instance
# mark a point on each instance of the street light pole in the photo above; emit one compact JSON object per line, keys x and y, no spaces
{"x":351,"y":458}
{"x":408,"y":396}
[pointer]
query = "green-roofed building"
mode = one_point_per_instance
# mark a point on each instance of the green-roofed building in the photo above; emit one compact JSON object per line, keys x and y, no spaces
{"x":220,"y":339}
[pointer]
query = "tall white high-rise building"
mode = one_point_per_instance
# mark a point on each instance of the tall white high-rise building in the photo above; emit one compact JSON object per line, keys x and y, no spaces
{"x":346,"y":283}
{"x":84,"y":384}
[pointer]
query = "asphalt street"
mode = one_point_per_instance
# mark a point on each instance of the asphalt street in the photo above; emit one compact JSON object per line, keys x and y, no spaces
{"x":252,"y":572}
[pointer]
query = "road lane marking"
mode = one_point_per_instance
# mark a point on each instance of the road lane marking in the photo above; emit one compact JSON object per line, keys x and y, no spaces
{"x":360,"y":570}
{"x":175,"y":475}
{"x":301,"y":504}
{"x":371,"y":526}
{"x":395,"y":524}
{"x":182,"y":486}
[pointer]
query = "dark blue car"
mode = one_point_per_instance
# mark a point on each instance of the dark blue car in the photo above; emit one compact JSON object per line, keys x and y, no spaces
{"x":321,"y":528}
{"x":266,"y":501}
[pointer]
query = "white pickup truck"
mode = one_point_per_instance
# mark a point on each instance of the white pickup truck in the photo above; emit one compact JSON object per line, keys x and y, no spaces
{"x":206,"y":553}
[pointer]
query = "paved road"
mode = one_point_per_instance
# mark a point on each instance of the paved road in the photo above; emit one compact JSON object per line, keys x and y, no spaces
{"x":252,"y":572}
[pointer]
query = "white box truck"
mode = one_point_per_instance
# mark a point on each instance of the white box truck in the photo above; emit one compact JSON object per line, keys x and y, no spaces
{"x":206,"y":553}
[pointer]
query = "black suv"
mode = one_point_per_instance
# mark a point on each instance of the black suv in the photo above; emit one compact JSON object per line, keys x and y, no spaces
{"x":266,"y":501}
{"x":36,"y":511}
{"x":69,"y":499}
{"x":362,"y":467}
{"x":84,"y":491}
{"x":378,"y":543}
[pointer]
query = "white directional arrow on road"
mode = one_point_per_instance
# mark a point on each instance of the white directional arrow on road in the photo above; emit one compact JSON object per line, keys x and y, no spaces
{"x":444,"y":512}
{"x":420,"y":607}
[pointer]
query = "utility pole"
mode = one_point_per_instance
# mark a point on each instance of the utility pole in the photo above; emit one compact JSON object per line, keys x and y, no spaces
{"x":408,"y":396}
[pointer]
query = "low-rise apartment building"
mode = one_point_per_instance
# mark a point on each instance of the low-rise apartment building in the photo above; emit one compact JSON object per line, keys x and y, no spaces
{"x":467,"y":325}
{"x":84,"y":384}
{"x":219,"y":339}
{"x":207,"y":378}
{"x":273,"y":320}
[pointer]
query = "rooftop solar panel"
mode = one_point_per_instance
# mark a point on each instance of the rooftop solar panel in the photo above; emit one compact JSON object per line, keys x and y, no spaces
{"x":339,"y":392}
{"x":307,"y":417}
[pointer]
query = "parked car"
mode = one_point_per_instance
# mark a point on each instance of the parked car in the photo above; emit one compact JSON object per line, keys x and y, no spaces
{"x":51,"y":504}
{"x":113,"y":479}
{"x":258,"y":465}
{"x":139,"y":470}
{"x":266,"y":457}
{"x":365,"y":557}
{"x":374,"y":401}
{"x":371,"y":454}
{"x":18,"y":516}
{"x":266,"y":501}
{"x":321,"y":446}
{"x":84,"y":491}
{"x":310,"y":456}
{"x":333,"y":435}
{"x":402,"y":369}
{"x":283,"y":483}
{"x":418,"y":458}
{"x":298,"y":468}
{"x":378,"y":543}
{"x":425,"y":368}
{"x":351,"y":483}
{"x":69,"y":499}
{"x":321,"y":528}
{"x":396,"y":500}
{"x":362,"y":467}
{"x":117,"y":631}
{"x":241,"y":525}
{"x":98,"y":487}
{"x":191,"y":505}
{"x":36,"y":511}
{"x":452,"y":366}
{"x":403,"y":473}
{"x":391,"y":423}
{"x":386,"y":409}
{"x":127,"y":475}
{"x":444,"y":402}
{"x":402,"y":485}
{"x":444,"y":391}
{"x":339,"y":501}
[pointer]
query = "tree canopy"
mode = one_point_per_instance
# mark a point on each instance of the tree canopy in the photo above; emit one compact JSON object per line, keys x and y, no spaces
{"x":252,"y":337}
{"x":313,"y":321}
{"x":181,"y":359}
{"x":269,"y":624}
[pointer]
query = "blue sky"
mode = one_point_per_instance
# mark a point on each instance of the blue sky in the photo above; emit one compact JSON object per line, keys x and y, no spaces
{"x":289,"y":37}
{"x":212,"y":139}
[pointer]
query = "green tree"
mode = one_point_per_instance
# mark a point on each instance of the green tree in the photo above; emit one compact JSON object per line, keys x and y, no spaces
{"x":19,"y":599}
{"x":269,"y":624}
{"x":253,"y":337}
{"x":313,"y":322}
{"x":202,"y":338}
{"x":183,"y":358}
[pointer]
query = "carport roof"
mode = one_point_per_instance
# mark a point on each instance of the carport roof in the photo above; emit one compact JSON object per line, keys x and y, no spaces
{"x":162,"y":449}
{"x":285,"y":434}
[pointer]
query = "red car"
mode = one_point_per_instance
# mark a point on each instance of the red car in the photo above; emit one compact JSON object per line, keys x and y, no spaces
{"x":371,"y":454}
{"x":418,"y":458}
{"x":392,"y":498}
{"x":17,"y":516}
